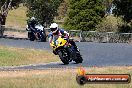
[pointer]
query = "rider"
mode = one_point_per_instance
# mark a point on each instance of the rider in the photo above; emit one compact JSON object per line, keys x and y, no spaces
{"x":56,"y":31}
{"x":31,"y":24}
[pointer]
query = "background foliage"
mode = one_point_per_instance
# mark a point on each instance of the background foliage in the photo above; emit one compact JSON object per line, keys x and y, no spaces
{"x":78,"y":14}
{"x":110,"y":24}
{"x":84,"y":14}
{"x":124,"y":10}
{"x":43,"y":10}
{"x":5,"y":6}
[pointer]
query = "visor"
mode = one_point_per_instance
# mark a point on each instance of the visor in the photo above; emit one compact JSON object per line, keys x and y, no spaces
{"x":53,"y":29}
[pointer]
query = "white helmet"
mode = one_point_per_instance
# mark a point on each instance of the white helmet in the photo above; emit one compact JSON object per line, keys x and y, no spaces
{"x":33,"y":18}
{"x":54,"y":27}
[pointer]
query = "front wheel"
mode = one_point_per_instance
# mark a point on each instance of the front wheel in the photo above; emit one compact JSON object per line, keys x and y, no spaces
{"x":63,"y":58}
{"x":43,"y":38}
{"x":79,"y":58}
{"x":31,"y":36}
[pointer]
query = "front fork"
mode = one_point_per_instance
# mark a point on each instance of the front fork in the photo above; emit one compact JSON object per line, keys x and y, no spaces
{"x":64,"y":52}
{"x":71,"y":53}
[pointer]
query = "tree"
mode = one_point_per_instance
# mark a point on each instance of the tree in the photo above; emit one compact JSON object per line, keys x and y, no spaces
{"x":108,"y":6}
{"x":6,"y":5}
{"x":62,"y":10}
{"x":123,"y":9}
{"x":84,"y":14}
{"x":43,"y":10}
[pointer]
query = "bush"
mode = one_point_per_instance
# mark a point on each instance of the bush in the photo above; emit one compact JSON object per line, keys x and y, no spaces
{"x":125,"y":28}
{"x":84,"y":14}
{"x":109,"y":24}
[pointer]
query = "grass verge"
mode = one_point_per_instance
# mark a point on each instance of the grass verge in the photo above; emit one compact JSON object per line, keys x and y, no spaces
{"x":59,"y":78}
{"x":10,"y":56}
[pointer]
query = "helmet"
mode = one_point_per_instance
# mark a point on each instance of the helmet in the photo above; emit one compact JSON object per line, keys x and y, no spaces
{"x":54,"y":27}
{"x":33,"y":18}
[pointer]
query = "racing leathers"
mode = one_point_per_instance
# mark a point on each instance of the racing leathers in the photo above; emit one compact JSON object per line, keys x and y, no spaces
{"x":63,"y":34}
{"x":31,"y":25}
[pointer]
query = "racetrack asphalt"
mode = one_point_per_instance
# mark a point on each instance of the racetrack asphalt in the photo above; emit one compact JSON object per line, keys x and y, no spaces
{"x":94,"y":54}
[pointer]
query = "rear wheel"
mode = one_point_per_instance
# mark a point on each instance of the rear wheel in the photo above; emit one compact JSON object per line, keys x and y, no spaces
{"x":63,"y":58}
{"x":31,"y":36}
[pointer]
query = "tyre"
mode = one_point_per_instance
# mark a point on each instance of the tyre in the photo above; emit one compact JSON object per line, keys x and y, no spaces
{"x":63,"y":58}
{"x":31,"y":36}
{"x":78,"y":58}
{"x":42,"y":37}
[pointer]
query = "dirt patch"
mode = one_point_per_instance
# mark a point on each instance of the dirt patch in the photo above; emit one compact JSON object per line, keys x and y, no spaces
{"x":16,"y":34}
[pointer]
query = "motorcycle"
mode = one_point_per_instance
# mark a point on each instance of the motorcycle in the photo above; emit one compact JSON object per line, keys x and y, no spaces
{"x":66,"y":51}
{"x":39,"y":35}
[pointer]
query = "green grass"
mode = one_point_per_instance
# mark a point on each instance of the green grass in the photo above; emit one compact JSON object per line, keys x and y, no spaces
{"x":19,"y":56}
{"x":61,"y":78}
{"x":9,"y":57}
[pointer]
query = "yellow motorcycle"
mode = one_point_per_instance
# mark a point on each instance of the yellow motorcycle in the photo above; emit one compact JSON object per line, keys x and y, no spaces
{"x":66,"y":51}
